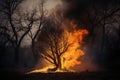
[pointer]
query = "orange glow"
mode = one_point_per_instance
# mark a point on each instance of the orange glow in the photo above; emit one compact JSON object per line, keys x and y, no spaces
{"x":72,"y":55}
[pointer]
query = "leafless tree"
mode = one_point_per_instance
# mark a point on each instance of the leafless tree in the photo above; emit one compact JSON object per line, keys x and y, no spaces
{"x":39,"y":23}
{"x":16,"y":24}
{"x":52,"y":42}
{"x":96,"y":18}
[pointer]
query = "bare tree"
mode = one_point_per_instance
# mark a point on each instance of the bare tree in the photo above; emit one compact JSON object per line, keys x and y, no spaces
{"x":97,"y":17}
{"x":52,"y":42}
{"x":16,"y":24}
{"x":39,"y":23}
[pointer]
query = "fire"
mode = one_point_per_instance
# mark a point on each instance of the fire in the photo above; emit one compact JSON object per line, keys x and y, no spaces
{"x":72,"y":55}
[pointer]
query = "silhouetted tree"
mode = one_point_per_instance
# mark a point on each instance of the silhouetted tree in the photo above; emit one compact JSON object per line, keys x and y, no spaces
{"x":38,"y":24}
{"x":96,"y":18}
{"x":104,"y":25}
{"x":16,"y":24}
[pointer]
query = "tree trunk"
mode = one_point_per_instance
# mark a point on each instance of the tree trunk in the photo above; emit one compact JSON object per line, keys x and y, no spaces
{"x":16,"y":56}
{"x":36,"y":57}
{"x":59,"y":65}
{"x":103,"y":37}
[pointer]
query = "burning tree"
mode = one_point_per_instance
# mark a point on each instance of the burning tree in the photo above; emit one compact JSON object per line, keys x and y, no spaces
{"x":59,"y":45}
{"x":53,"y":43}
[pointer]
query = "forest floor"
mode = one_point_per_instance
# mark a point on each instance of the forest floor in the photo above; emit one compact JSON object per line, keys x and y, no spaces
{"x":6,"y":75}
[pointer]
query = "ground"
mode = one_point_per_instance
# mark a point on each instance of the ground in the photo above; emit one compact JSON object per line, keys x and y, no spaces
{"x":5,"y":75}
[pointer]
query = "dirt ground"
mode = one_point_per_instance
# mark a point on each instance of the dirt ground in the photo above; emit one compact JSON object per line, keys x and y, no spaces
{"x":60,"y":76}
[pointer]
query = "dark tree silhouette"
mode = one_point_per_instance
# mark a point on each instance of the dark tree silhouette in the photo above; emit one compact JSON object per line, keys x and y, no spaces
{"x":16,"y":24}
{"x":8,"y":9}
{"x":38,"y":24}
{"x":102,"y":21}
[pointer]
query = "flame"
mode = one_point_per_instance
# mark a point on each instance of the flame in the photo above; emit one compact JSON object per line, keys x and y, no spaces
{"x":72,"y":55}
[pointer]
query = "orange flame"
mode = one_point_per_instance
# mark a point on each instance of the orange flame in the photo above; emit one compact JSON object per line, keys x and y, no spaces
{"x":72,"y":55}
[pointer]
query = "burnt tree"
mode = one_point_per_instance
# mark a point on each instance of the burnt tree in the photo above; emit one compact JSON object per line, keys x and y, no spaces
{"x":52,"y":44}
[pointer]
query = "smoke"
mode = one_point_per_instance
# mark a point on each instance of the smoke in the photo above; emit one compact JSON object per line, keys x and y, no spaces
{"x":77,"y":8}
{"x":72,"y":11}
{"x":77,"y":11}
